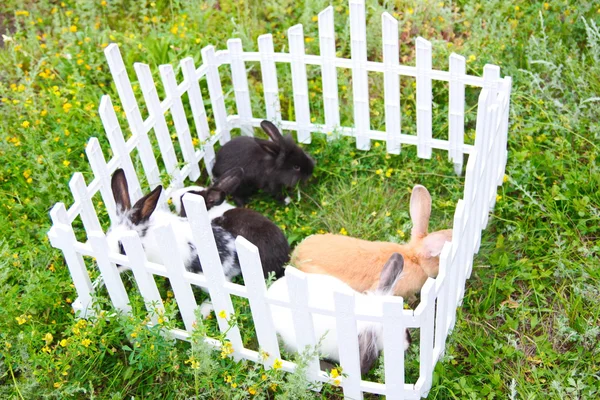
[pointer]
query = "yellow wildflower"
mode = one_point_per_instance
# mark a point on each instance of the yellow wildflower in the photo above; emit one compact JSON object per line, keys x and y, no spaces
{"x":57,"y":384}
{"x":379,"y":172}
{"x":48,"y":338}
{"x":27,"y":173}
{"x":546,"y":6}
{"x":86,"y":342}
{"x":277,"y":364}
{"x":67,"y":107}
{"x":21,"y":320}
{"x":274,"y":387}
{"x":234,"y":385}
{"x":343,"y":231}
{"x":73,"y":28}
{"x":22,"y":13}
{"x":66,"y":163}
{"x":222,"y":314}
{"x":25,"y":124}
{"x":505,"y":178}
{"x":471,"y":58}
{"x":336,"y":382}
{"x":103,"y":3}
{"x":63,"y":343}
{"x":335,"y":373}
{"x":252,"y":391}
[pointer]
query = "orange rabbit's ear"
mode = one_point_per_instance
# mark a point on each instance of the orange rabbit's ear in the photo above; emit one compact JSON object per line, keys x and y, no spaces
{"x":420,"y":211}
{"x":432,"y":244}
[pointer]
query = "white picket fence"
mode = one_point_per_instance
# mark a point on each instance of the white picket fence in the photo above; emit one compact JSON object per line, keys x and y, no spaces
{"x":435,"y":315}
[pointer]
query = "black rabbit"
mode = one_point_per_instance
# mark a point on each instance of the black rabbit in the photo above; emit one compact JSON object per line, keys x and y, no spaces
{"x":270,"y":165}
{"x":273,"y":247}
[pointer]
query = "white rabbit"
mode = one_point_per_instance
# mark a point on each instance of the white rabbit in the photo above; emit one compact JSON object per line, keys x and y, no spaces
{"x":144,"y":218}
{"x":320,"y":292}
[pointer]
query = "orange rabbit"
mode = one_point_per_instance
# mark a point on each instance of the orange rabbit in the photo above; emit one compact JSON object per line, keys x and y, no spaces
{"x":359,"y":262}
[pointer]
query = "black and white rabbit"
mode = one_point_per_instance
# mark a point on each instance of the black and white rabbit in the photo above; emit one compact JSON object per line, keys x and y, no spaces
{"x":270,"y":165}
{"x":273,"y":247}
{"x":144,"y":218}
{"x":320,"y":294}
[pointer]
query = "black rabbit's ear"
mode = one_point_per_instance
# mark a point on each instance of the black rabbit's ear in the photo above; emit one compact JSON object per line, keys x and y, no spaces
{"x":230,"y":180}
{"x":271,"y":130}
{"x":390,"y":274}
{"x":271,"y":148}
{"x":213,"y":197}
{"x":120,"y":191}
{"x":367,"y":348}
{"x":143,"y":209}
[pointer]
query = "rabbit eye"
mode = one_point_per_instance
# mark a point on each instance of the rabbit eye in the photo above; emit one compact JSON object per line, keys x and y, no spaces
{"x":296,"y":167}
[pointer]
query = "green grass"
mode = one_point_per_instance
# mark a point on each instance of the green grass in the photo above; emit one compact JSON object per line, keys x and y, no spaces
{"x":528,"y":327}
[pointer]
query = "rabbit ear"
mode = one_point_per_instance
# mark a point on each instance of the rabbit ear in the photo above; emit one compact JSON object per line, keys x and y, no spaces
{"x":390,"y":274}
{"x":271,"y":131}
{"x":120,"y":191}
{"x":420,"y":210}
{"x":213,"y":197}
{"x":230,"y":180}
{"x":270,"y":147}
{"x":367,"y":348}
{"x":143,"y":209}
{"x":432,"y":244}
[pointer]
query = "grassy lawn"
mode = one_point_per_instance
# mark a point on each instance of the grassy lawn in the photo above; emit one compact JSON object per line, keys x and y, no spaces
{"x":529,"y":326}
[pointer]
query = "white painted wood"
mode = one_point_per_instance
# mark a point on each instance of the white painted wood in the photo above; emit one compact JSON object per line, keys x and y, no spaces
{"x":257,"y":291}
{"x":211,"y":265}
{"x":199,"y":113}
{"x":393,"y":328}
{"x":269,"y":77}
{"x":299,"y":83}
{"x":347,"y":337}
{"x":303,"y":321}
{"x":110,"y":274}
{"x":456,"y":111}
{"x":180,"y":121}
{"x":360,"y":79}
{"x":182,"y":290}
{"x":424,"y":98}
{"x":216,"y":93}
{"x":132,"y":112}
{"x":426,"y":334}
{"x":161,"y":129}
{"x":81,"y":195}
{"x":102,"y":173}
{"x":119,"y":147}
{"x":62,"y":237}
{"x":240,"y":85}
{"x":143,"y":278}
{"x":329,"y":72}
{"x":391,"y":82}
{"x":442,"y":287}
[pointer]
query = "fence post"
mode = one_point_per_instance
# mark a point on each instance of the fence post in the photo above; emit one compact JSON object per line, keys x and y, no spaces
{"x":426,"y":335}
{"x":301,"y":316}
{"x":456,"y":111}
{"x":393,"y":347}
{"x":161,"y":130}
{"x":171,"y":257}
{"x":62,"y":237}
{"x":424,"y":98}
{"x":328,"y":71}
{"x":206,"y":246}
{"x":199,"y":112}
{"x":101,"y":171}
{"x":119,"y":147}
{"x":391,"y":82}
{"x":347,"y":337}
{"x":144,"y":279}
{"x":180,"y":120}
{"x":81,"y":196}
{"x":132,"y":112}
{"x":269,"y":78}
{"x":257,"y":291}
{"x":240,"y":86}
{"x":360,"y":78}
{"x":110,"y":273}
{"x":216,"y":93}
{"x":299,"y":83}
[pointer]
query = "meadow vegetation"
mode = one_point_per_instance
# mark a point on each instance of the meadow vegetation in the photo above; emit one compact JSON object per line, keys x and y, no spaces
{"x":529,"y":326}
